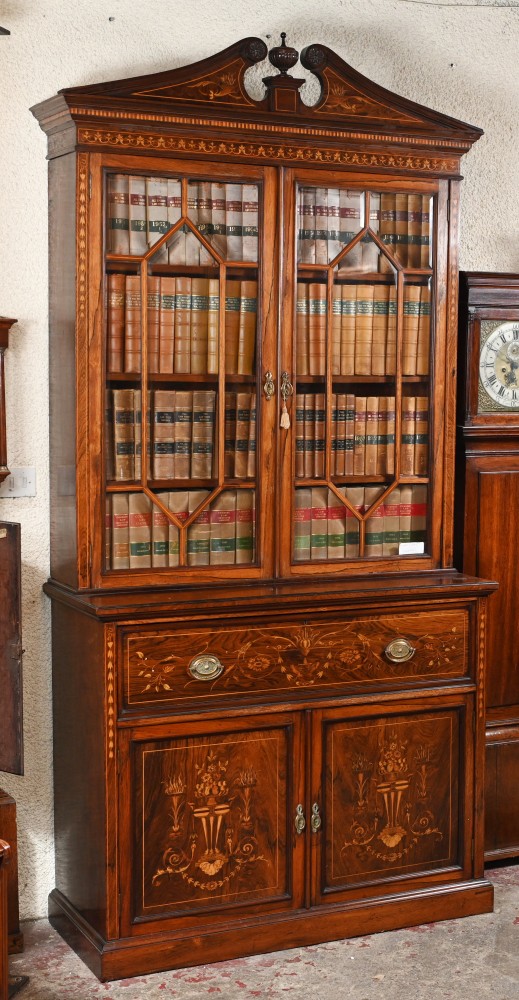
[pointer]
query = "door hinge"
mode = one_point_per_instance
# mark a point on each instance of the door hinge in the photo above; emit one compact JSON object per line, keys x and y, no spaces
{"x":448,"y":210}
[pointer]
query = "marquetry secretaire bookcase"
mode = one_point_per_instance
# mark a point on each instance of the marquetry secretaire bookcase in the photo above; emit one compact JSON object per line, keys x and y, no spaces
{"x":268,"y":678}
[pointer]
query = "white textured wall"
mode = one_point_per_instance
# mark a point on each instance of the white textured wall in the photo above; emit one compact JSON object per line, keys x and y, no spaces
{"x":460,"y":60}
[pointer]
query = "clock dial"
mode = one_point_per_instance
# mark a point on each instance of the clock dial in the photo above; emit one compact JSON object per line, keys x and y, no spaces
{"x":499,"y":365}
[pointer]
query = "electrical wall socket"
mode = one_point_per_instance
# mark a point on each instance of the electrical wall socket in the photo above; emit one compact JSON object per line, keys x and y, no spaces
{"x":19,"y":483}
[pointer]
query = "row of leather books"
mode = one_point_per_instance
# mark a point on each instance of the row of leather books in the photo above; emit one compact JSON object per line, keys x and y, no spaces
{"x":183,"y":321}
{"x":363,"y":329}
{"x":182,"y":433}
{"x":141,"y":209}
{"x":140,"y":536}
{"x":330,"y":218}
{"x":324,"y":528}
{"x":363,"y":435}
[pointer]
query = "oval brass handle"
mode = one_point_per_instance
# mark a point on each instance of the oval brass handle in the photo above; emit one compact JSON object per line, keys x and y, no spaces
{"x":205,"y":667}
{"x":300,"y":821}
{"x":269,"y":387}
{"x":399,"y":650}
{"x":316,"y":820}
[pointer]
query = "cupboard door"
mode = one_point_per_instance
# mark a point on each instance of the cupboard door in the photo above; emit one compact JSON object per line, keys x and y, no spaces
{"x":364,"y":333}
{"x":213,"y":810}
{"x":188,"y":336}
{"x":391,"y":800}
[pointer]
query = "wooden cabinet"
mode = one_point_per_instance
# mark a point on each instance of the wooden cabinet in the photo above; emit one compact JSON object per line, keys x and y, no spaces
{"x":488,"y":471}
{"x":268,"y":670}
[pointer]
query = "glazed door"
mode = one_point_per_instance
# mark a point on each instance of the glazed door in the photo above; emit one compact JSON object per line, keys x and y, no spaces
{"x":364,"y":312}
{"x":211,"y":828}
{"x":187,"y":336}
{"x":393,"y":797}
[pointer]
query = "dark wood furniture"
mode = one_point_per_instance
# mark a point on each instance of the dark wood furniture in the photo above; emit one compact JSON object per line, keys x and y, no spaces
{"x":11,"y":694}
{"x":488,"y":465}
{"x":4,"y":961}
{"x":5,"y":326}
{"x":265,"y":736}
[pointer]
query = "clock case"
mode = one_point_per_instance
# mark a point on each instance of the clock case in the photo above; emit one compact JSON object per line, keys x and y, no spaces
{"x":487,"y":526}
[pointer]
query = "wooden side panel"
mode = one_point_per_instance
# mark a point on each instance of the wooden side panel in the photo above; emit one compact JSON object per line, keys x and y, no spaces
{"x":502,"y":804}
{"x":213,"y":820}
{"x":62,"y":310}
{"x":492,"y":525}
{"x":391,"y":799}
{"x":79,"y":762}
{"x":11,"y":732}
{"x":9,"y":833}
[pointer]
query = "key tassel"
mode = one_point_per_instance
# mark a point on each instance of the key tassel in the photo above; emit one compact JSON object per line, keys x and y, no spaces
{"x":285,"y":418}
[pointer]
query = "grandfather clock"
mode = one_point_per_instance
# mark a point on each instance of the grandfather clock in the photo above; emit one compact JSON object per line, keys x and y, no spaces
{"x":488,"y":520}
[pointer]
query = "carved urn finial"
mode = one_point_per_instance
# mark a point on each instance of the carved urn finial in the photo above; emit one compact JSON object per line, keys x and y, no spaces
{"x":283,"y":57}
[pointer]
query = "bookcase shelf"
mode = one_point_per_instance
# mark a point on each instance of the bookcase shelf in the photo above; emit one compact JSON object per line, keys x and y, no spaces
{"x":269,"y":680}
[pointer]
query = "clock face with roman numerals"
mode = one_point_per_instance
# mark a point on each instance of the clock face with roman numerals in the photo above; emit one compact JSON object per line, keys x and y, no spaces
{"x":499,"y":367}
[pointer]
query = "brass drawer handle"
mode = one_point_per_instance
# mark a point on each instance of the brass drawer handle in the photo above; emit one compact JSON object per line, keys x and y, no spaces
{"x":300,"y":821}
{"x":316,"y":820}
{"x":205,"y":667}
{"x":399,"y":650}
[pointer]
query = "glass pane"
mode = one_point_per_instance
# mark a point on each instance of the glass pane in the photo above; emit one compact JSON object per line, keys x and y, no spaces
{"x":224,"y":533}
{"x":363,"y":333}
{"x":311,"y":312}
{"x":241,"y":312}
{"x":324,"y":528}
{"x":139,"y":211}
{"x":328,"y":219}
{"x":227,"y":216}
{"x":124,"y":323}
{"x":363,"y":435}
{"x":417,"y":329}
{"x":124,"y":434}
{"x":414,"y":450}
{"x":183,"y":423}
{"x":183,"y":318}
{"x":404,"y":521}
{"x":310,"y":434}
{"x":404,"y":224}
{"x":367,"y":257}
{"x":240,"y":435}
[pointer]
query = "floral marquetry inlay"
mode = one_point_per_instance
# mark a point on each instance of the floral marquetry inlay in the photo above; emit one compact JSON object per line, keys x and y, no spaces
{"x":272,"y":151}
{"x":297,"y":656}
{"x":213,"y":811}
{"x":393,"y":802}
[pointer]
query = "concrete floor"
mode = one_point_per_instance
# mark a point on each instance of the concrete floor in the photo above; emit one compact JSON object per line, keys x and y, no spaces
{"x":476,"y":958}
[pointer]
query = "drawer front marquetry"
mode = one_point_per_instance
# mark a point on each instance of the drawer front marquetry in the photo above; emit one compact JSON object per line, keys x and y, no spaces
{"x":170,"y":665}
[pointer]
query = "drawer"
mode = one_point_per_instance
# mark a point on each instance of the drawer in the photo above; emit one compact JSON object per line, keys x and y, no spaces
{"x":169,"y":664}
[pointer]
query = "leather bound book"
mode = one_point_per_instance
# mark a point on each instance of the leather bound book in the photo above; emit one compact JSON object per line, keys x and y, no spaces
{"x":202,"y":452}
{"x":133,"y":324}
{"x":116,"y":289}
{"x":163,"y":434}
{"x":137,"y":212}
{"x":244,"y":526}
{"x":232,"y":325}
{"x":153,"y":323}
{"x":120,"y":531}
{"x":247,"y":327}
{"x":364,"y":329}
{"x":140,"y":531}
{"x":167,"y":325}
{"x":223,"y":529}
{"x":199,"y":325}
{"x":183,"y":433}
{"x":118,"y":235}
{"x":182,"y":355}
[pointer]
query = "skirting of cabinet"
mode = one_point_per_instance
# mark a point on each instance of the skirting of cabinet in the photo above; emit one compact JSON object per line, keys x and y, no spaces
{"x":127,"y":957}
